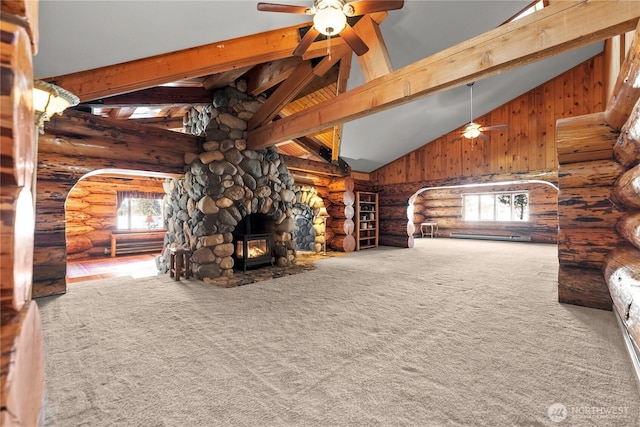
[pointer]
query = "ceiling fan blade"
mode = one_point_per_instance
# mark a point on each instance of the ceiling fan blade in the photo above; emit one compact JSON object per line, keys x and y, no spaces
{"x":284,"y":8}
{"x":357,"y":8}
{"x":456,"y":139}
{"x":496,"y":127}
{"x":484,"y":137}
{"x":353,"y":40}
{"x":306,"y":41}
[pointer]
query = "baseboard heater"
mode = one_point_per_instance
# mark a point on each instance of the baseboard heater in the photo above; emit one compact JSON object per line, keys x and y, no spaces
{"x":490,"y":237}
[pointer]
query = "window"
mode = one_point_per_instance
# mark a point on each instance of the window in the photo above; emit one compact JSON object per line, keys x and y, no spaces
{"x":495,"y":207}
{"x":139,"y":211}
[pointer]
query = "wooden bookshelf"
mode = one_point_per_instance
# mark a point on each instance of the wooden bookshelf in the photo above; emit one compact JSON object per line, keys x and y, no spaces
{"x":366,"y":220}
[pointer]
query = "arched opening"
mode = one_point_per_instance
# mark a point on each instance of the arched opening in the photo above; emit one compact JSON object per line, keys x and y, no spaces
{"x":114,"y":224}
{"x":504,"y":220}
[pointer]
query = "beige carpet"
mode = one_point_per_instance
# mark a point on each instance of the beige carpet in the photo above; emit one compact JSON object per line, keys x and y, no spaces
{"x":452,"y":332}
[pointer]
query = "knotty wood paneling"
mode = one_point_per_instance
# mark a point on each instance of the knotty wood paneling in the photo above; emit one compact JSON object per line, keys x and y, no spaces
{"x":527,"y":145}
{"x":525,"y":150}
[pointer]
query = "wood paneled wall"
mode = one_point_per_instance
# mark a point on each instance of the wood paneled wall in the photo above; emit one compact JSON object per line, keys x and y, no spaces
{"x":91,"y":211}
{"x":528,"y":144}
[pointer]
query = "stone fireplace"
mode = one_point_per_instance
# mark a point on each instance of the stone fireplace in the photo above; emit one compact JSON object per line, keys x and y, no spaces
{"x":226,"y":183}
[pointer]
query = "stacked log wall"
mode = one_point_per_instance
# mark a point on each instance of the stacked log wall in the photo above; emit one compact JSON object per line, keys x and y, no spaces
{"x":441,"y":201}
{"x":444,"y":206}
{"x":21,"y":342}
{"x":622,"y":264}
{"x":91,"y":212}
{"x":588,"y":210}
{"x":339,"y":199}
{"x":73,"y":146}
{"x":525,"y":150}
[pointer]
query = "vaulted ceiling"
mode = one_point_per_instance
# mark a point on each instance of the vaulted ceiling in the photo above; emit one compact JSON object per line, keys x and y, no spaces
{"x":152,"y":61}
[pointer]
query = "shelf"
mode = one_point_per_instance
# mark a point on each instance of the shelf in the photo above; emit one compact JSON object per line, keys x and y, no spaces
{"x":367,"y":217}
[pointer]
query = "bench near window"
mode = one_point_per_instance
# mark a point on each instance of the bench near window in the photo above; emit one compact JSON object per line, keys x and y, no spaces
{"x":136,"y":242}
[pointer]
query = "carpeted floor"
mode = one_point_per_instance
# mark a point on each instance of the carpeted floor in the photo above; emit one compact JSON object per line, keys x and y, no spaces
{"x":452,"y":332}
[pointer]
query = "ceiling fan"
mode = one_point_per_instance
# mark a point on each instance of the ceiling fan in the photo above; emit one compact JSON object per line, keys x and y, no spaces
{"x":330,"y":19}
{"x":475,"y":130}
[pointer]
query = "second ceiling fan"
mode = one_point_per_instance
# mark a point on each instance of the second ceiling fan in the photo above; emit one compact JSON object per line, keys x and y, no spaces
{"x":475,"y":130}
{"x":330,"y":19}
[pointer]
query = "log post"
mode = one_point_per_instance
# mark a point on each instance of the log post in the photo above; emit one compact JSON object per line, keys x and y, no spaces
{"x":627,"y":149}
{"x":625,"y":95}
{"x":629,"y":228}
{"x":341,"y":196}
{"x":622,"y":275}
{"x":586,"y":212}
{"x":627,"y":188}
{"x":21,"y":343}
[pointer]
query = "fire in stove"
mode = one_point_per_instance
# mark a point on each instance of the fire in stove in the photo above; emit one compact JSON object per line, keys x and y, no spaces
{"x":255,"y":248}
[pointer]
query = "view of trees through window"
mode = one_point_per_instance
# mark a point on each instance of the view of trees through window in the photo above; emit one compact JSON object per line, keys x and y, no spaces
{"x":496,"y":207}
{"x":136,"y":214}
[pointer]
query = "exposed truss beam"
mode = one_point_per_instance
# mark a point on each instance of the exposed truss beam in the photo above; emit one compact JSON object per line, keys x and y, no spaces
{"x":540,"y":35}
{"x":188,"y":63}
{"x":223,"y":79}
{"x":300,"y":78}
{"x":310,"y":166}
{"x":266,"y":76}
{"x":162,"y":95}
{"x":376,"y":62}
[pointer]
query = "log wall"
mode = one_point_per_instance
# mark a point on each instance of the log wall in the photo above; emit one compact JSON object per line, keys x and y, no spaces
{"x":91,"y":211}
{"x":444,"y":205}
{"x":525,"y":150}
{"x":21,"y":342}
{"x":588,"y":211}
{"x":77,"y":144}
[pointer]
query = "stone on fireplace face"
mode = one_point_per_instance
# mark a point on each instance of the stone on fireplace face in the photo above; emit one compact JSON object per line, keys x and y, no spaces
{"x":226,"y":183}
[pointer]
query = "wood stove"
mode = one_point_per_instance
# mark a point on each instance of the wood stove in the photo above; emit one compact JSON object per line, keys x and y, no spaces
{"x":253,"y":250}
{"x":253,"y":240}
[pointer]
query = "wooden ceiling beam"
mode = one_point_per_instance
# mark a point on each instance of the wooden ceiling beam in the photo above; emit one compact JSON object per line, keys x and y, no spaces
{"x":167,"y":123}
{"x":376,"y":62}
{"x":121,"y":113}
{"x":85,"y":126}
{"x":162,"y":95}
{"x":189,"y":63}
{"x":266,"y":76}
{"x":219,"y":80}
{"x":287,"y":91}
{"x":342,"y":81}
{"x":540,"y":35}
{"x":310,"y":166}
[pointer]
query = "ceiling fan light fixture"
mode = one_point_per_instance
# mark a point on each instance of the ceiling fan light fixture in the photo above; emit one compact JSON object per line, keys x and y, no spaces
{"x":329,"y":18}
{"x":472,"y":130}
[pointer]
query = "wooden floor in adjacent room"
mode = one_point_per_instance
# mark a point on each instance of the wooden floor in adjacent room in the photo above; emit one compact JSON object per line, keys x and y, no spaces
{"x":143,"y":265}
